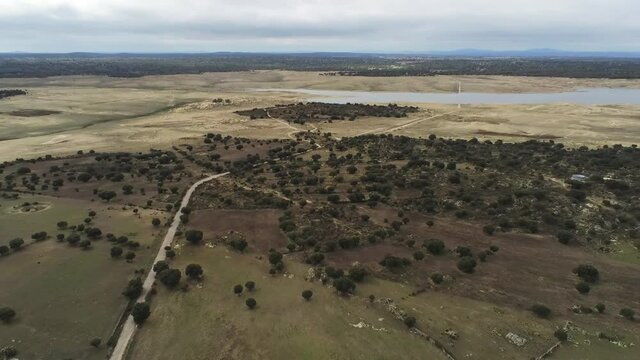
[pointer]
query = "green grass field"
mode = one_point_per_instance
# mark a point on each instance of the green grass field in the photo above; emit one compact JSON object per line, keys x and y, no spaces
{"x":212,"y":323}
{"x":65,"y":296}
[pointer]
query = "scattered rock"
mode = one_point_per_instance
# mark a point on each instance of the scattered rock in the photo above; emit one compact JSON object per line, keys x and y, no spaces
{"x":516,"y":339}
{"x":451,"y":334}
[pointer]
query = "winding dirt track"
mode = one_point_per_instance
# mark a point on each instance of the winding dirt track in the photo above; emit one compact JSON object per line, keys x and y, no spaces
{"x":129,"y":327}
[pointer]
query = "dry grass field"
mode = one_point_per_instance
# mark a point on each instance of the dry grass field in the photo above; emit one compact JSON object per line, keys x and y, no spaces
{"x":61,"y":115}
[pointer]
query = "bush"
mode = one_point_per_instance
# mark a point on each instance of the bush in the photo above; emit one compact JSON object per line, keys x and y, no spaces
{"x":410,"y":321}
{"x":482,"y":256}
{"x":489,"y":229}
{"x":627,"y":313}
{"x":418,"y":255}
{"x":130,"y":256}
{"x":437,"y":278}
{"x":169,"y":277}
{"x":39,"y":236}
{"x":316,"y":258}
{"x":237,"y":289}
{"x":467,"y":264}
{"x":95,"y":342}
{"x":16,"y":243}
{"x":434,"y":246}
{"x":357,"y":273}
{"x":116,"y":251}
{"x":307,"y":294}
{"x":73,"y":239}
{"x":7,"y":314}
{"x":251,"y":303}
{"x":541,"y":311}
{"x":9,"y":352}
{"x":193,"y":236}
{"x":275,"y":257}
{"x":600,"y":307}
{"x":463,"y":251}
{"x":564,"y":237}
{"x":140,"y":312}
{"x":250,"y":285}
{"x":194,"y":271}
{"x":583,"y":287}
{"x":561,"y":335}
{"x":238,"y":244}
{"x":394,"y":262}
{"x":333,"y":272}
{"x":344,"y":285}
{"x":155,"y":222}
{"x":134,"y":289}
{"x":160,"y":266}
{"x":587,"y":273}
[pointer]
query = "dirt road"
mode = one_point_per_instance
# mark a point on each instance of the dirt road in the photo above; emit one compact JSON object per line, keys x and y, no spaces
{"x":407,"y":124}
{"x":129,"y":327}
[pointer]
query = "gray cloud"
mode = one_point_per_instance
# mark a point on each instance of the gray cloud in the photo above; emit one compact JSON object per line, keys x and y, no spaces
{"x":330,"y":25}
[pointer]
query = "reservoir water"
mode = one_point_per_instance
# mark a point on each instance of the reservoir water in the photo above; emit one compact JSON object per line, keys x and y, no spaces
{"x":590,"y":96}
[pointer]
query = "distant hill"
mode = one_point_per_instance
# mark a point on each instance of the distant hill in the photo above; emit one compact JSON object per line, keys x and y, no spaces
{"x":531,"y":53}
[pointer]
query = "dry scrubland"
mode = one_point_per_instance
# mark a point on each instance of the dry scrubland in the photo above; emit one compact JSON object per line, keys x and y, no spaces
{"x":64,"y":296}
{"x":104,"y":114}
{"x":326,"y":203}
{"x":470,"y":314}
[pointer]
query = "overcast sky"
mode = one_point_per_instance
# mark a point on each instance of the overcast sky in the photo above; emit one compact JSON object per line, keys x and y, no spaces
{"x":317,"y":25}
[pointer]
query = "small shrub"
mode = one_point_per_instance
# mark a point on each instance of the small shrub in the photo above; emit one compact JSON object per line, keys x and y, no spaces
{"x":467,"y":264}
{"x":344,"y":285}
{"x":541,"y":311}
{"x":434,"y":246}
{"x":587,"y":273}
{"x":410,"y":321}
{"x":140,"y":312}
{"x":194,"y":271}
{"x":583,"y":287}
{"x":627,"y":314}
{"x":9,"y":352}
{"x":357,"y":273}
{"x":169,"y":277}
{"x":237,"y":289}
{"x":564,"y":237}
{"x":7,"y":314}
{"x":437,"y":278}
{"x":251,"y":303}
{"x":193,"y":236}
{"x":561,"y":335}
{"x":95,"y":342}
{"x":489,"y":229}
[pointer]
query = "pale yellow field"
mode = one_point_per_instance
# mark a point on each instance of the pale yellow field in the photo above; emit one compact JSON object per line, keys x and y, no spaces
{"x":107,"y":114}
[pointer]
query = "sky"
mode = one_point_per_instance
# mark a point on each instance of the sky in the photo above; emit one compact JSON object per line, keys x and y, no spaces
{"x":317,"y":25}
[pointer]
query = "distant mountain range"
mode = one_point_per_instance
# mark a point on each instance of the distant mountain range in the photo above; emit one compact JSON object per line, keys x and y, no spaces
{"x":532,"y":53}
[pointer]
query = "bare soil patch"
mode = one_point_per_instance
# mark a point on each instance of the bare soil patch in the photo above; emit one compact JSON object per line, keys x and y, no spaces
{"x":259,"y":227}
